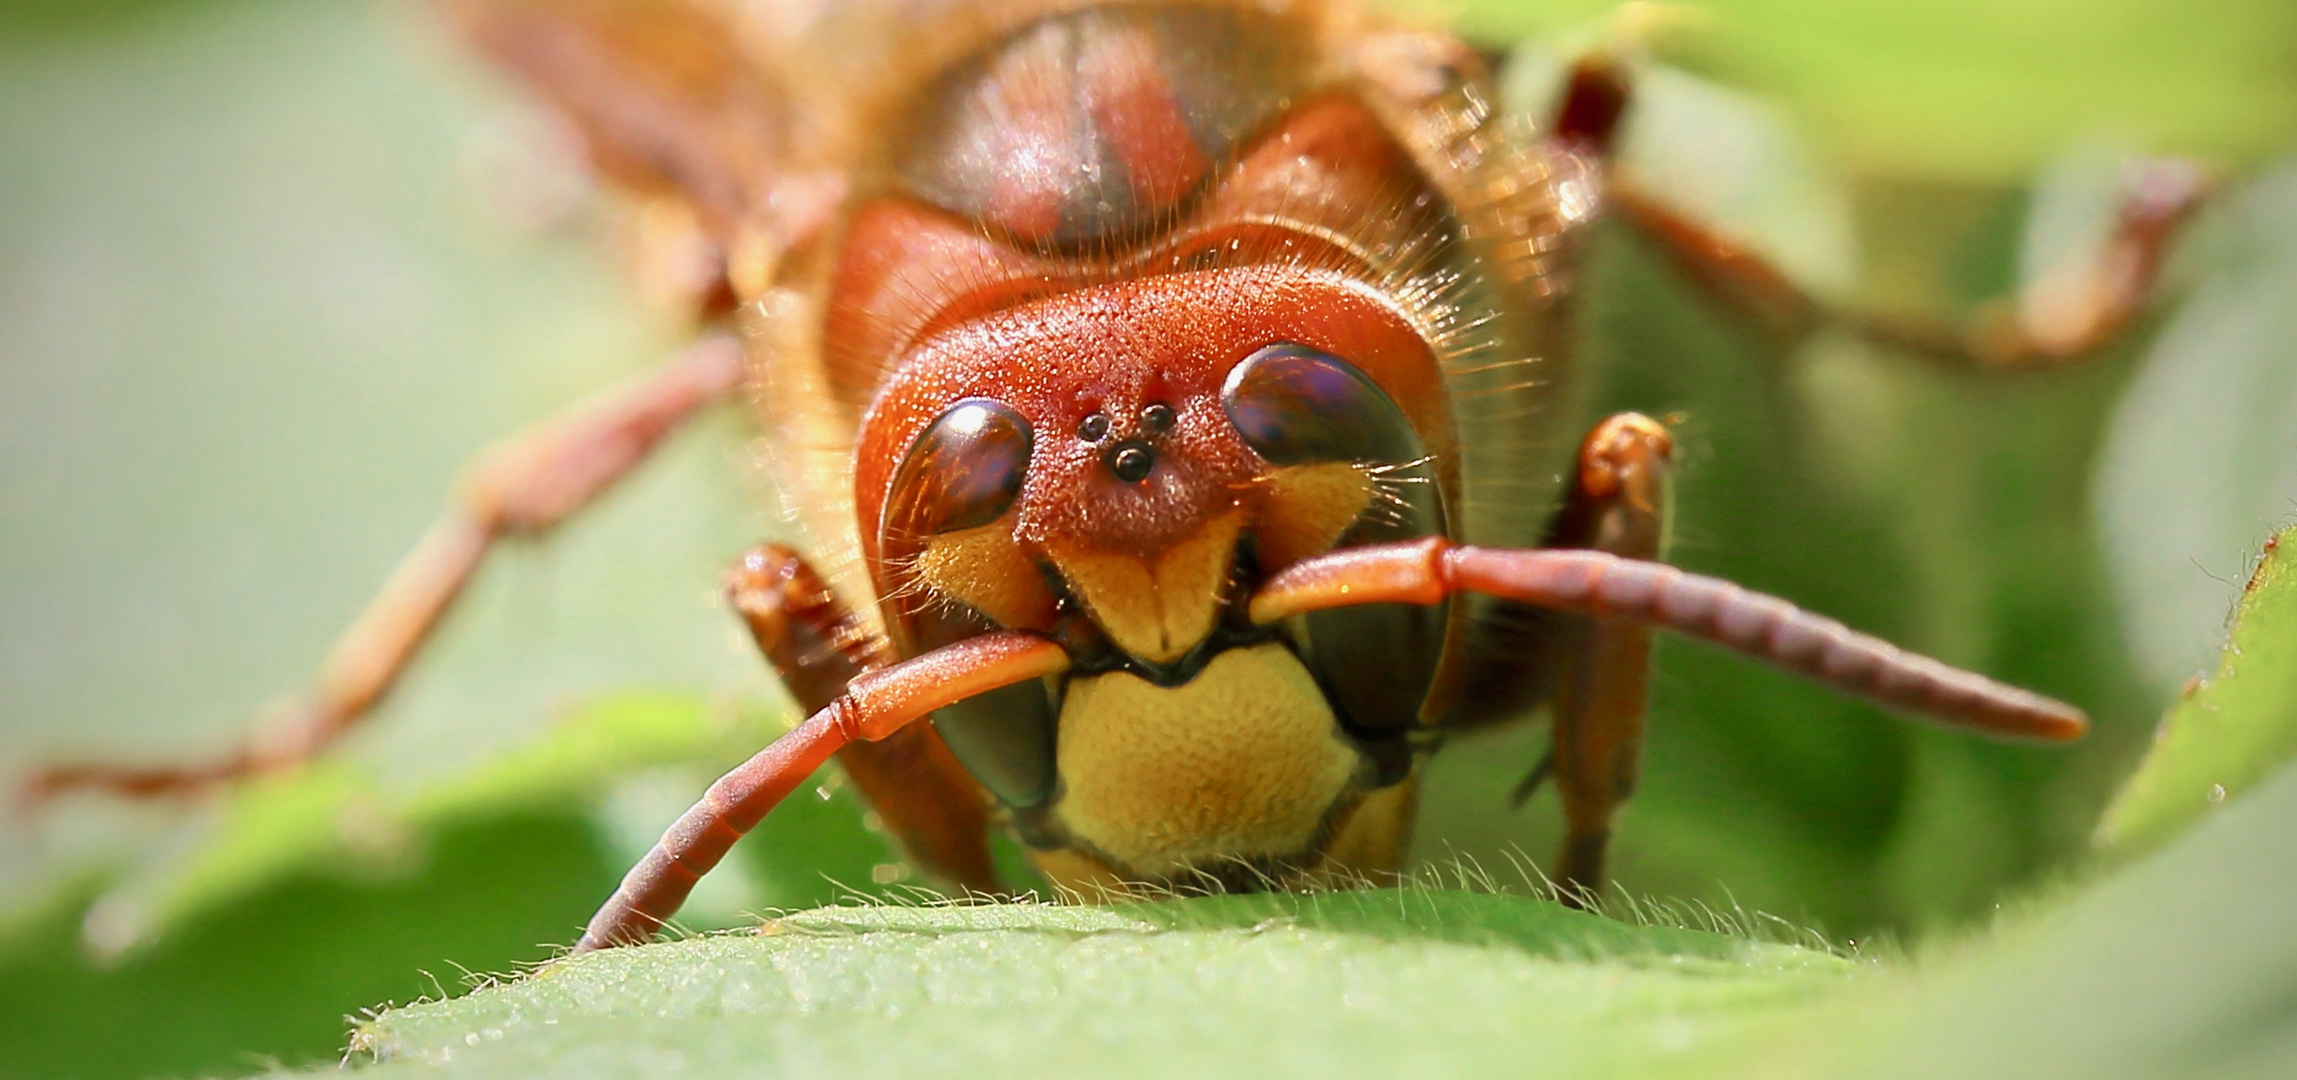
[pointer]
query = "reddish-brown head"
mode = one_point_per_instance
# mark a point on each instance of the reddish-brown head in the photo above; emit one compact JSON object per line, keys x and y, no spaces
{"x":1084,"y":450}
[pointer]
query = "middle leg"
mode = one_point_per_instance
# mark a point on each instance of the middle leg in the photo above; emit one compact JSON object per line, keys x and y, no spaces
{"x":1592,"y":674}
{"x":1618,"y":504}
{"x":923,"y":796}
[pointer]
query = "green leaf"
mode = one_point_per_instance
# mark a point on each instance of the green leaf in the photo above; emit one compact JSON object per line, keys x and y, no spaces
{"x":2202,"y":457}
{"x":333,"y":816}
{"x":2182,"y":964}
{"x":2230,"y":729}
{"x":1973,"y":90}
{"x":272,"y":975}
{"x":1388,"y":982}
{"x":323,"y":892}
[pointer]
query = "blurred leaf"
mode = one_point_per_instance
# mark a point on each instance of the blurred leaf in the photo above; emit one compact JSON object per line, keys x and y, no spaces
{"x":319,"y":893}
{"x":27,"y":17}
{"x":1377,"y":983}
{"x":2229,"y":730}
{"x":271,"y":829}
{"x":274,"y":975}
{"x":612,"y":737}
{"x":2203,"y":455}
{"x":254,"y":319}
{"x":2183,"y":964}
{"x":1976,"y":90}
{"x":333,"y":815}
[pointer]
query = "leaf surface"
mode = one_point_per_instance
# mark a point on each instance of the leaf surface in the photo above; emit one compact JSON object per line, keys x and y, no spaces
{"x":2230,"y":729}
{"x":1389,"y":982}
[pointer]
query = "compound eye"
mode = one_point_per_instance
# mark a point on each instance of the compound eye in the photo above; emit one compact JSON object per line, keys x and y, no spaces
{"x":1300,"y":408}
{"x":1297,"y":406}
{"x":963,"y":472}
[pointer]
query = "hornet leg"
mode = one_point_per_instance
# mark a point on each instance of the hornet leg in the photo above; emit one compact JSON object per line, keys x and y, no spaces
{"x":928,"y":802}
{"x":2078,"y":306}
{"x":1591,"y":673}
{"x":524,"y":488}
{"x":1617,"y":505}
{"x":874,"y":706}
{"x":2074,"y":309}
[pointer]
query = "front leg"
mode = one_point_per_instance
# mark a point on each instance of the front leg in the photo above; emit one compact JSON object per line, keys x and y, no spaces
{"x":927,"y":801}
{"x":524,"y":488}
{"x":875,"y":706}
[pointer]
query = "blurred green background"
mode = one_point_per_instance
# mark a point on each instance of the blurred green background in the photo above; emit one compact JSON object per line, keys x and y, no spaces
{"x":271,"y":271}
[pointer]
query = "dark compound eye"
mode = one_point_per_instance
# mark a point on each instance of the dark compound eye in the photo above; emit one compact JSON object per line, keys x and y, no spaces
{"x":1095,"y":428}
{"x":1297,"y":406}
{"x":1157,"y":419}
{"x":963,"y":472}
